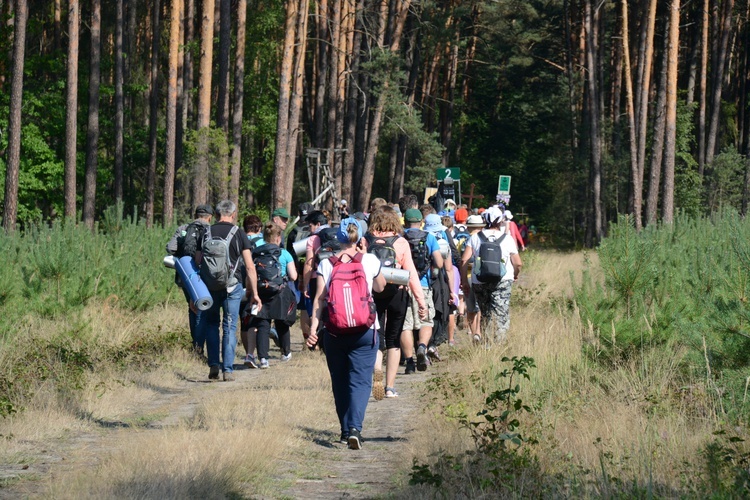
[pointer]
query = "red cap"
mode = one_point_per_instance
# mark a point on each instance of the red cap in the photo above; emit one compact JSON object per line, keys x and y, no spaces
{"x":461,"y":215}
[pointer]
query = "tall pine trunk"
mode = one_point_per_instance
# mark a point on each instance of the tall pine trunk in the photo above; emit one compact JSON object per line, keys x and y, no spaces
{"x":71,"y":109}
{"x":667,"y":205}
{"x":239,"y":96}
{"x":153,"y":114}
{"x":595,"y":145}
{"x":10,"y":210}
{"x":200,"y":177}
{"x":636,"y":183}
{"x":170,"y":146}
{"x":350,"y":128}
{"x":92,"y":131}
{"x":657,"y":149}
{"x":716,"y":85}
{"x":322,"y":67}
{"x":119,"y":100}
{"x":295,"y":102}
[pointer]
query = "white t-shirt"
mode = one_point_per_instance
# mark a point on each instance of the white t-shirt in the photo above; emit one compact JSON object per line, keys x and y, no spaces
{"x":370,"y":263}
{"x":507,"y":246}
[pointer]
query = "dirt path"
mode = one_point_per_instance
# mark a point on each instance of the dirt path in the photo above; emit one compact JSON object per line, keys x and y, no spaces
{"x":318,"y":468}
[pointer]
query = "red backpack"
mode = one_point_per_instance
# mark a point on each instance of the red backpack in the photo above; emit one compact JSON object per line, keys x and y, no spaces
{"x":351,"y":309}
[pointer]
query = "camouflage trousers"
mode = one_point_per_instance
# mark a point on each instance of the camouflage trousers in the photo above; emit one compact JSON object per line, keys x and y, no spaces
{"x":494,"y":303}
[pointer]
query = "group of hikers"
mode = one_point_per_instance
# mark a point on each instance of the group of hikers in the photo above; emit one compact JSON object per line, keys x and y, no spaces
{"x":391,"y":285}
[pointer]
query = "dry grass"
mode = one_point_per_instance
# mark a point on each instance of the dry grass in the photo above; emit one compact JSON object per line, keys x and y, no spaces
{"x":628,"y":421}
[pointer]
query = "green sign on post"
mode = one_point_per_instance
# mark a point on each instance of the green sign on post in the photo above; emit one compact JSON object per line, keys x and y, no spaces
{"x":503,"y":185}
{"x":453,"y":173}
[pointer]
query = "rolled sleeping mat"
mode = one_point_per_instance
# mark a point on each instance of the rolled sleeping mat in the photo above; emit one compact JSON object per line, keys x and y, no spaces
{"x":395,"y":276}
{"x":300,"y":247}
{"x":169,"y":261}
{"x":192,"y":282}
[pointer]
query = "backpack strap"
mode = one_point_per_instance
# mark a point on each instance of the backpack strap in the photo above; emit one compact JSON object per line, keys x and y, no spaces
{"x":231,"y":234}
{"x":482,"y":237}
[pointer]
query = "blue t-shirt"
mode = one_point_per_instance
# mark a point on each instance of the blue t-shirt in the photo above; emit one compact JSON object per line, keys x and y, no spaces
{"x":285,"y":259}
{"x":432,"y":246}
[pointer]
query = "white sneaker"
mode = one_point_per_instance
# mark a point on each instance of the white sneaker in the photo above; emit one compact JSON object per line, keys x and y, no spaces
{"x":286,"y":357}
{"x":263,"y":363}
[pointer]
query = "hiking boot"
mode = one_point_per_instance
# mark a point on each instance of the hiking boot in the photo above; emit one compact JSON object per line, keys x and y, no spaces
{"x":355,"y":439}
{"x":378,"y":387}
{"x":263,"y":363}
{"x":286,"y":357}
{"x":250,"y":361}
{"x":228,"y":377}
{"x":432,"y":353}
{"x":410,"y":367}
{"x":213,"y":373}
{"x":421,"y":358}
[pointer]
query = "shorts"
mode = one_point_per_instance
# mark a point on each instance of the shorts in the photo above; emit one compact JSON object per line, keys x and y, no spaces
{"x":412,"y":320}
{"x":472,"y":306}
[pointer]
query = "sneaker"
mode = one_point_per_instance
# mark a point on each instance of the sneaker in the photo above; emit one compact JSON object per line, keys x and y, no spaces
{"x":452,"y":343}
{"x":286,"y":357}
{"x":228,"y":377}
{"x":274,"y":335}
{"x":390,"y":392}
{"x":355,"y":439}
{"x":378,"y":387}
{"x":421,"y":358}
{"x":432,"y":353}
{"x":410,"y":367}
{"x":263,"y":363}
{"x":344,"y":439}
{"x":213,"y":373}
{"x":250,"y":361}
{"x":477,"y":339}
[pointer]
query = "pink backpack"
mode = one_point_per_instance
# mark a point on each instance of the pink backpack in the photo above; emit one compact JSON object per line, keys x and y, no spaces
{"x":351,"y":309}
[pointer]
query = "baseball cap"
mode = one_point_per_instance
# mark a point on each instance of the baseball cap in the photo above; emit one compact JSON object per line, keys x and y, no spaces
{"x":449,"y":201}
{"x":304,"y":209}
{"x":461,"y":215}
{"x":317,"y":217}
{"x":343,"y":236}
{"x":280,"y":212}
{"x":202,"y":210}
{"x":413,"y":215}
{"x":493,"y":215}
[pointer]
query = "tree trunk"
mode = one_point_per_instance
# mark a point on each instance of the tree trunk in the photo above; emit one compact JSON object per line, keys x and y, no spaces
{"x":225,"y":43}
{"x":10,"y":210}
{"x":58,"y":24}
{"x":570,"y":75}
{"x":322,"y":67}
{"x":716,"y":84}
{"x":239,"y":96}
{"x":281,"y":193}
{"x":92,"y":131}
{"x":119,"y":101}
{"x":295,"y":103}
{"x":667,"y":206}
{"x":187,"y":69}
{"x":594,"y":127}
{"x":332,"y":97}
{"x":170,"y":146}
{"x":642,"y":121}
{"x":703,"y":91}
{"x":635,"y":183}
{"x":153,"y":114}
{"x":71,"y":109}
{"x":657,"y":149}
{"x":200,"y":178}
{"x":693,"y":69}
{"x":352,"y":105}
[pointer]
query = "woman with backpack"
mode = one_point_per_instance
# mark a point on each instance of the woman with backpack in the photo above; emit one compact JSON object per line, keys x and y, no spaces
{"x":393,"y":250}
{"x":496,"y":266}
{"x":343,"y":302}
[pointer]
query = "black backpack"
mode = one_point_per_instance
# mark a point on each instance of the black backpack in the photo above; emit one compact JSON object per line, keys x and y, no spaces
{"x":268,"y":268}
{"x":329,"y":243}
{"x":420,"y":254}
{"x":382,"y":248}
{"x":491,"y":264}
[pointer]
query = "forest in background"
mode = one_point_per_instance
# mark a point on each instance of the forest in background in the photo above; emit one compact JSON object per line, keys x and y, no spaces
{"x":595,"y":108}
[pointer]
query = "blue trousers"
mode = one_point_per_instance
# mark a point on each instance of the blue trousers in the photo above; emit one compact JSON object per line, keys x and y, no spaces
{"x":194,"y":318}
{"x":208,"y":326}
{"x":350,"y":362}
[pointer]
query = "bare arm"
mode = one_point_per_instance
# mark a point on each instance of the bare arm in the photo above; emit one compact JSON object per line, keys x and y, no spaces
{"x":378,"y":283}
{"x":515,"y":259}
{"x":465,"y":258}
{"x":251,"y":281}
{"x":320,"y":294}
{"x":291,"y":271}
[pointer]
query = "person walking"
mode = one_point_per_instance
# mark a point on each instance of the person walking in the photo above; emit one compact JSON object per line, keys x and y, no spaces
{"x":345,"y":285}
{"x":492,"y":287}
{"x":226,"y":299}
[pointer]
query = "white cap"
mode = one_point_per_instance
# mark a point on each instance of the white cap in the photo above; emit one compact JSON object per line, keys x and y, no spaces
{"x":492,"y":215}
{"x":508,"y":215}
{"x":449,"y":201}
{"x":343,"y":202}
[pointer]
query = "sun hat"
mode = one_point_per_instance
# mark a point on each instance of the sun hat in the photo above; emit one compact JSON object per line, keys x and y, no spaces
{"x":280,"y":212}
{"x":413,"y":215}
{"x":433,"y":224}
{"x":342,"y":234}
{"x":492,"y":215}
{"x":474,"y":221}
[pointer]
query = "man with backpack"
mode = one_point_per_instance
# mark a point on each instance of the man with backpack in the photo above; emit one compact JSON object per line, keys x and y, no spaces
{"x":496,"y":265}
{"x":425,"y":253}
{"x":222,"y":248}
{"x":185,"y":241}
